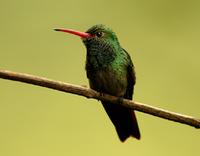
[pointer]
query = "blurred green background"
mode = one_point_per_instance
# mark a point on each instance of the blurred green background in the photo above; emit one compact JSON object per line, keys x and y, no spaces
{"x":162,"y":37}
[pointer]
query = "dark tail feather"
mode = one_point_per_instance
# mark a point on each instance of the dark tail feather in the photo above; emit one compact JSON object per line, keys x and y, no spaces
{"x":129,"y":128}
{"x":124,"y":120}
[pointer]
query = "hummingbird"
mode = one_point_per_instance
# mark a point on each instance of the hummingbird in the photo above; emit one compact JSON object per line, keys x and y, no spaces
{"x":110,"y":70}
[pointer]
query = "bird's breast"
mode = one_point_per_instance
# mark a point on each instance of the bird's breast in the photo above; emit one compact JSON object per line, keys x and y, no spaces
{"x":109,"y":81}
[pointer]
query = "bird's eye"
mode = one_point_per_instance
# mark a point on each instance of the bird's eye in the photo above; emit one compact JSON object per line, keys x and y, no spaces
{"x":99,"y":34}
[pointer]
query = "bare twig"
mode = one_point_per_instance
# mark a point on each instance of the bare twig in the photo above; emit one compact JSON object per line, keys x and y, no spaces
{"x":89,"y":93}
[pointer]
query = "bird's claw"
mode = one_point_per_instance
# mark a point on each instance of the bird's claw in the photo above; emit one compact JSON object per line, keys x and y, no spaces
{"x":120,"y":100}
{"x":101,"y":94}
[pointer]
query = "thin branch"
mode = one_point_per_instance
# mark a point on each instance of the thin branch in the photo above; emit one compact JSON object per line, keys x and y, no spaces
{"x":89,"y":93}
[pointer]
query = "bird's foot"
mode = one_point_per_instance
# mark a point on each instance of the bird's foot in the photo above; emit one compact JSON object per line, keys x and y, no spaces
{"x":101,"y":94}
{"x":120,"y":100}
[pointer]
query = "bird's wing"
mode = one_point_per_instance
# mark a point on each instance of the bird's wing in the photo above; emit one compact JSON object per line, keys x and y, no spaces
{"x":131,"y":78}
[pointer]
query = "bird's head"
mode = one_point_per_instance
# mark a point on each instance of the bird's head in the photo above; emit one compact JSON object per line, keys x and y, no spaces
{"x":97,"y":37}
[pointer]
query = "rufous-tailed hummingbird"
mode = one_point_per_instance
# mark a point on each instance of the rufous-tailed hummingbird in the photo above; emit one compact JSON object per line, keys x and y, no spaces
{"x":110,"y":70}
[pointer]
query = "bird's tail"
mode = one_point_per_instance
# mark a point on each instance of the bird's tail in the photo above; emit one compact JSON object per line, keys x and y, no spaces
{"x":124,"y":120}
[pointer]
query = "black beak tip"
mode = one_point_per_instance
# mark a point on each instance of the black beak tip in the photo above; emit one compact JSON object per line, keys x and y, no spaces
{"x":56,"y":29}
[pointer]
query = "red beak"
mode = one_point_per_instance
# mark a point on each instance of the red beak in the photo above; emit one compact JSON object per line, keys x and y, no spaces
{"x":78,"y":33}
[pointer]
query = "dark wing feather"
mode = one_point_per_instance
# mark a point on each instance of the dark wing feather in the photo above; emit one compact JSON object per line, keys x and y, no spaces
{"x":131,"y":79}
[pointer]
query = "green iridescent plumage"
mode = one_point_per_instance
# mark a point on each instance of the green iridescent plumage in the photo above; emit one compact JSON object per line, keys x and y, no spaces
{"x":110,"y":70}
